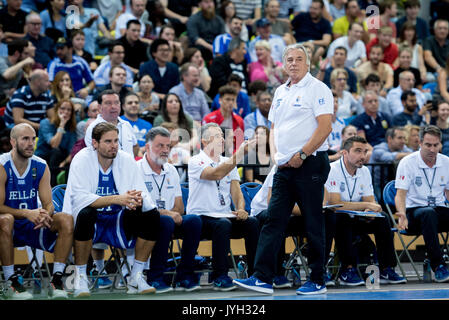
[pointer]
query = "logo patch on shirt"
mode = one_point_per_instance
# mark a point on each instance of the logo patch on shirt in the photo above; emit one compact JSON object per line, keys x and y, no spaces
{"x":342,"y":187}
{"x":21,"y":181}
{"x":321,"y":101}
{"x":149,"y":186}
{"x":418,"y":181}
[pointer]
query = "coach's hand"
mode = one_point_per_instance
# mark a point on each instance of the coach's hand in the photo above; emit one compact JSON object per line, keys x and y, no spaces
{"x":240,"y":214}
{"x":295,"y":161}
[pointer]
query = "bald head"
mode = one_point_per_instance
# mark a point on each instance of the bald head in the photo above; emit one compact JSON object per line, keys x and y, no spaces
{"x":39,"y":81}
{"x":19,"y":129}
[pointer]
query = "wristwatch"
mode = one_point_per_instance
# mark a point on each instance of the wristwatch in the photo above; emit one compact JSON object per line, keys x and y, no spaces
{"x":302,"y":155}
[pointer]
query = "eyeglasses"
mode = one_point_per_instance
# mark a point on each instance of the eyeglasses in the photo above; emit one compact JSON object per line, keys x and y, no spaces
{"x":341,"y":79}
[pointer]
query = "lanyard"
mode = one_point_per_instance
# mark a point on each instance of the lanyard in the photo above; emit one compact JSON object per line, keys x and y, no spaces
{"x":159,"y":188}
{"x":433,"y":178}
{"x":217,"y":182}
{"x":351,"y":194}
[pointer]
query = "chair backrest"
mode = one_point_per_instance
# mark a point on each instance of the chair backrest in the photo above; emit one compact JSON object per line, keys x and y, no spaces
{"x":249,"y":190}
{"x":389,"y":193}
{"x":185,"y":194}
{"x":57,"y":194}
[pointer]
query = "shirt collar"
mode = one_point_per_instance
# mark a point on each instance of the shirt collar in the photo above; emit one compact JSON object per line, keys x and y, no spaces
{"x":346,"y":173}
{"x":302,"y":83}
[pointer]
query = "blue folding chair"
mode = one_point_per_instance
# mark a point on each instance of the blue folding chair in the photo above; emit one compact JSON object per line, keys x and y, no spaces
{"x":57,"y":193}
{"x":185,"y":194}
{"x":249,"y":190}
{"x":389,"y":193}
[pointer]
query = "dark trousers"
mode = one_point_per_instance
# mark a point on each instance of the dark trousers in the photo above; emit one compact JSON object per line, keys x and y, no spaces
{"x":429,"y":221}
{"x":304,"y":186}
{"x":54,"y":159}
{"x":190,"y":232}
{"x":221,"y":231}
{"x":295,"y":227}
{"x":346,"y":230}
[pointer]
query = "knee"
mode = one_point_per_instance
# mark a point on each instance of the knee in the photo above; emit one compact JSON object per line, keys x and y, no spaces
{"x":167,"y":224}
{"x":192,"y":222}
{"x":64,"y":223}
{"x":85,"y":224}
{"x":6,"y":223}
{"x":252,"y":223}
{"x":223,"y":227}
{"x":426,"y":214}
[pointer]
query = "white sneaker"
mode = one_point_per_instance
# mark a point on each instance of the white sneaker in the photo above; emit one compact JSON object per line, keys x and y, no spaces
{"x":16,"y":291}
{"x":138,"y":285}
{"x":81,"y":286}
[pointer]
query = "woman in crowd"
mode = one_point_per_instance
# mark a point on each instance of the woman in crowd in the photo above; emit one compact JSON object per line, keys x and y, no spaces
{"x":412,"y":136}
{"x":408,"y":38}
{"x":53,"y":20}
{"x":260,"y":156}
{"x":442,"y":88}
{"x":194,"y":56}
{"x":347,"y":105}
{"x":265,"y":68}
{"x":149,"y":101}
{"x":172,"y":111}
{"x":441,"y":121}
{"x":62,"y":89}
{"x":227,"y":11}
{"x":57,"y":136}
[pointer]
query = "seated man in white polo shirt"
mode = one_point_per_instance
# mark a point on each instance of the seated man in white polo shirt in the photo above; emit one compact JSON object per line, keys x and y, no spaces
{"x":162,"y":181}
{"x":213,"y":183}
{"x":422,"y":183}
{"x":349,"y":183}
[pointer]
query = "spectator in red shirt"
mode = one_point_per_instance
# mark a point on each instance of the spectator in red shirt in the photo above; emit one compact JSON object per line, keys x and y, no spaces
{"x":390,"y":49}
{"x":225,"y":117}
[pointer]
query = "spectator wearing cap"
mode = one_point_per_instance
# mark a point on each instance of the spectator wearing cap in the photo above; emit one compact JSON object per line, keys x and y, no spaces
{"x":203,"y":27}
{"x":165,"y":74}
{"x":277,"y":43}
{"x":78,"y":69}
{"x":312,"y":26}
{"x":45,"y":50}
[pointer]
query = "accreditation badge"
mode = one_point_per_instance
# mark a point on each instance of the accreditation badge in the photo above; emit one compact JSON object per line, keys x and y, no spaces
{"x":384,"y":124}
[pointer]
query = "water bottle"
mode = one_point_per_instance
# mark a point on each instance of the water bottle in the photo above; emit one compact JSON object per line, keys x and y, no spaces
{"x":241,"y":265}
{"x":427,"y":274}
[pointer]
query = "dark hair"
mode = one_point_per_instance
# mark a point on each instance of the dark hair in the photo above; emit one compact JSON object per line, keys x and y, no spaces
{"x":376,"y":46}
{"x":156,"y":43}
{"x":411,"y":4}
{"x":223,"y":6}
{"x":132,"y":21}
{"x":408,"y":25}
{"x":227,"y":89}
{"x":391,"y":132}
{"x":235,"y":77}
{"x":105,"y":93}
{"x":372,"y":77}
{"x":267,"y":132}
{"x":256,"y":86}
{"x":182,"y":119}
{"x":430,"y":129}
{"x":384,"y":5}
{"x":188,"y":54}
{"x":17,"y":45}
{"x":113,"y":45}
{"x":407,"y":93}
{"x":111,"y":71}
{"x":320,"y":2}
{"x":347,"y":145}
{"x":100,"y":129}
{"x":342,"y":48}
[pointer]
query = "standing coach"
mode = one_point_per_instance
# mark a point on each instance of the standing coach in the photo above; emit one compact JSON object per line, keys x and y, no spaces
{"x":301,"y":117}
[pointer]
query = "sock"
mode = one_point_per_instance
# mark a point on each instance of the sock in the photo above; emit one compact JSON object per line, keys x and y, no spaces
{"x":137,"y":267}
{"x":58,"y":267}
{"x":8,"y":271}
{"x":147,"y":264}
{"x":81,"y":269}
{"x":99,"y":264}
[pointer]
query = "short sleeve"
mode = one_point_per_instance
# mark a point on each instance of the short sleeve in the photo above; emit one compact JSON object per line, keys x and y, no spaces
{"x":403,"y":176}
{"x":195,"y":167}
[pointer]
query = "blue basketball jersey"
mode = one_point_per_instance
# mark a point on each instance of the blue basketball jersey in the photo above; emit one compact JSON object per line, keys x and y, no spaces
{"x":21,"y":192}
{"x":106,"y":187}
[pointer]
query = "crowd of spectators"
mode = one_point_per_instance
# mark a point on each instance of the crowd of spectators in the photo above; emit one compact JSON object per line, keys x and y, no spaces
{"x":193,"y":62}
